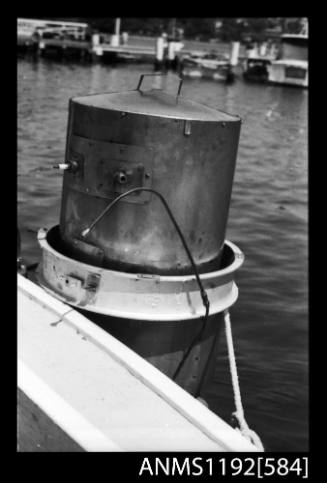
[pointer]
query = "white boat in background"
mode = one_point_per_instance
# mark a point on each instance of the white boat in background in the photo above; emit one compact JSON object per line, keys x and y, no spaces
{"x":256,"y":62}
{"x":292,"y":66}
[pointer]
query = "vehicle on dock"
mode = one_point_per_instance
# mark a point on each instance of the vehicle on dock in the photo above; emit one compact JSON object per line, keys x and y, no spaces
{"x":255,"y":69}
{"x":257,"y":59}
{"x":27,"y":41}
{"x":54,"y":38}
{"x":208,"y":66}
{"x":65,"y":40}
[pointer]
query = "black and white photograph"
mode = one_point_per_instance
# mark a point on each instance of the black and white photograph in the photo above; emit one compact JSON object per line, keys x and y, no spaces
{"x":162,"y":241}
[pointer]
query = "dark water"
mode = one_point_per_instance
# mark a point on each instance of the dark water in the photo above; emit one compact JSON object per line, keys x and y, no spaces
{"x":267,"y":220}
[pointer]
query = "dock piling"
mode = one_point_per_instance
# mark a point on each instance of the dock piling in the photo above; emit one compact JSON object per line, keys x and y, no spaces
{"x":234,"y":52}
{"x":159,"y":59}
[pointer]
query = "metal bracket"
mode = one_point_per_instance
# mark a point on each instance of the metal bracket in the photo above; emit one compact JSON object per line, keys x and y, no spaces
{"x":71,"y":281}
{"x":76,"y":163}
{"x":111,"y":169}
{"x":92,"y":282}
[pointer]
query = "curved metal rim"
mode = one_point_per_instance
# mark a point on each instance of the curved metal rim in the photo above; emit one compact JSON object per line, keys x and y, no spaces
{"x":233,"y":117}
{"x":237,"y":262}
{"x":143,"y":316}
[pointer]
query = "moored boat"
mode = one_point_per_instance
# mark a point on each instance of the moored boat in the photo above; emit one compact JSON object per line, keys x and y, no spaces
{"x":208,"y":66}
{"x":291,"y":68}
{"x":255,"y":69}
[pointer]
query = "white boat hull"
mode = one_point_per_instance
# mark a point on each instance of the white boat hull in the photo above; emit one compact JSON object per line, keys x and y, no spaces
{"x":80,"y":389}
{"x":289,"y":73}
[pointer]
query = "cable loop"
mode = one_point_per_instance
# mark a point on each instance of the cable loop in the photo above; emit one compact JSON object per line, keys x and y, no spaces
{"x":204,"y":296}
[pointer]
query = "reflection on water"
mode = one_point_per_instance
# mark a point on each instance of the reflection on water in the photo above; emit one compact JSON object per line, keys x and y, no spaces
{"x":267,"y":220}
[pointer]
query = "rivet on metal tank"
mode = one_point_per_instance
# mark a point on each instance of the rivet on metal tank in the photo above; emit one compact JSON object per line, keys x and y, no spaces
{"x":141,"y":247}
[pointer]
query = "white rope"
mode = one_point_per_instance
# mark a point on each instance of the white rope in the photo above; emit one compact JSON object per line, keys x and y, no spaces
{"x":239,"y":413}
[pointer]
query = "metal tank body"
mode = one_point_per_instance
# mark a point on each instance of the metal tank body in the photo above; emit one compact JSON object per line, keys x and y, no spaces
{"x":182,"y":149}
{"x":128,"y":271}
{"x":162,"y":318}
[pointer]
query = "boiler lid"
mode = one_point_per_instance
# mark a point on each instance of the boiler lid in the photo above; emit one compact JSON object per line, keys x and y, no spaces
{"x":154,"y":102}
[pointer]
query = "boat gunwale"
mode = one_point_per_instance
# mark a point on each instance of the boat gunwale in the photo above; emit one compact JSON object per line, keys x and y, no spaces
{"x":194,"y":411}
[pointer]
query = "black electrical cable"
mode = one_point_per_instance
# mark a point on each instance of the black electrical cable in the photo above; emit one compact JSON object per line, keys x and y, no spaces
{"x":203,"y":293}
{"x":206,"y":367}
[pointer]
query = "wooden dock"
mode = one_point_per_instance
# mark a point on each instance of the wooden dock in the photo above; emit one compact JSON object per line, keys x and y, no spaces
{"x":65,"y":47}
{"x":101,"y":47}
{"x":137,"y":52}
{"x":80,"y":389}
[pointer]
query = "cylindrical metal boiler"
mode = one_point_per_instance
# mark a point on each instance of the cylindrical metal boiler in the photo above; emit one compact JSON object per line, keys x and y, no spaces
{"x":182,"y":149}
{"x":130,"y":273}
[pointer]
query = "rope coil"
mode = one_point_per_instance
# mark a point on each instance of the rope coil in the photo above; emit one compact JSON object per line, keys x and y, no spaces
{"x":239,"y":413}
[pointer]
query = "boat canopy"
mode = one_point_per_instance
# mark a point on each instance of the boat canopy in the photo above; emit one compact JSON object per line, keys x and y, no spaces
{"x":294,"y":47}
